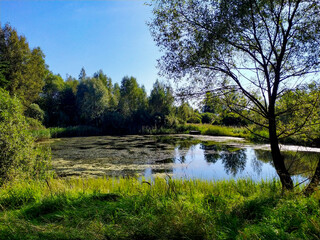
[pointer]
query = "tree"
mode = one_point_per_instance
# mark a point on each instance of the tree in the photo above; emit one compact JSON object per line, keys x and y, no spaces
{"x":132,"y":97}
{"x":92,"y":100}
{"x":211,"y":103}
{"x":82,"y":74}
{"x":22,"y":70}
{"x":115,"y":97}
{"x":50,"y":98}
{"x":184,"y":111}
{"x":107,"y":82}
{"x":161,"y":100}
{"x":263,"y":48}
{"x":35,"y":112}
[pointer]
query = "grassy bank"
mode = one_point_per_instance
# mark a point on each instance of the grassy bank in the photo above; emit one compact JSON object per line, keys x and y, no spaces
{"x":214,"y":130}
{"x":204,"y":129}
{"x":165,"y":209}
{"x":81,"y":131}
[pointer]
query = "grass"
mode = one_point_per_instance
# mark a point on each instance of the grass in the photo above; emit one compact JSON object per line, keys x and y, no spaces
{"x":128,"y":208}
{"x":214,"y":130}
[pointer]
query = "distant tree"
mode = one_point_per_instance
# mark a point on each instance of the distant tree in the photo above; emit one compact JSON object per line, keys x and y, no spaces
{"x":212,"y":103}
{"x":115,"y":97}
{"x":50,"y":99}
{"x":3,"y":69}
{"x":92,"y":100}
{"x":207,"y":117}
{"x":72,"y":83}
{"x":22,"y":70}
{"x":107,"y":82}
{"x":132,"y":97}
{"x":82,"y":74}
{"x":161,"y":100}
{"x":184,"y":111}
{"x":69,"y":115}
{"x":262,"y":48}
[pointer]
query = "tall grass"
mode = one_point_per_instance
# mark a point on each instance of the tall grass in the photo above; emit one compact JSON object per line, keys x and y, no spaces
{"x":122,"y":208}
{"x":214,"y":130}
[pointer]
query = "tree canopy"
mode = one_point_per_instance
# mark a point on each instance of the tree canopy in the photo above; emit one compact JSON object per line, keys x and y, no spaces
{"x":22,"y":70}
{"x":262,"y":48}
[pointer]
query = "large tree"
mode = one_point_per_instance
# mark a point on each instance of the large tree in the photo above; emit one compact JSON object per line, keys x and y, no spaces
{"x":263,"y":48}
{"x":22,"y":70}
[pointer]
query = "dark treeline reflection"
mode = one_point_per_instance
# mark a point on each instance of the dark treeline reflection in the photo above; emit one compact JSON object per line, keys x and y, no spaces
{"x":297,"y":163}
{"x":234,"y":160}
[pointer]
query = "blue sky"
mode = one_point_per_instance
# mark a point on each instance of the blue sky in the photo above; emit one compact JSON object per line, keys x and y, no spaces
{"x":108,"y":35}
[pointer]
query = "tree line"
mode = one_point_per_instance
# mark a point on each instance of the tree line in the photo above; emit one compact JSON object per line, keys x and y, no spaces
{"x":88,"y":100}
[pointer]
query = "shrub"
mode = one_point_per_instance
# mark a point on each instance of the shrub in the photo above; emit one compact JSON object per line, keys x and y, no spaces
{"x":194,"y":119}
{"x":19,"y":155}
{"x":35,"y":112}
{"x":171,"y":121}
{"x":207,"y":117}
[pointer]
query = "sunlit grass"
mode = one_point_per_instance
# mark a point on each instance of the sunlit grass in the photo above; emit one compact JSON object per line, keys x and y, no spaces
{"x":129,"y":208}
{"x":215,"y":130}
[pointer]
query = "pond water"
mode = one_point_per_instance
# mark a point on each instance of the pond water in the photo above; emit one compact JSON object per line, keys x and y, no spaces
{"x":177,"y":156}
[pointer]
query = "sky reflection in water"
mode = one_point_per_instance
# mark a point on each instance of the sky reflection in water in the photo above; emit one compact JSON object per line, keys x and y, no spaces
{"x":210,"y":163}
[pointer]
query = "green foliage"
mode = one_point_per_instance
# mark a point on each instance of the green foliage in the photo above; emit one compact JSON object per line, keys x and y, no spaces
{"x":132,"y":97}
{"x":35,"y":112}
{"x":211,"y":103}
{"x":92,"y":100}
{"x":20,"y":157}
{"x":213,"y":130}
{"x":49,"y":100}
{"x":194,"y":119}
{"x":162,"y":209}
{"x":262,"y":49}
{"x":106,"y":81}
{"x":161,"y":101}
{"x":184,"y":111}
{"x":207,"y":117}
{"x":34,"y":124}
{"x":23,"y":69}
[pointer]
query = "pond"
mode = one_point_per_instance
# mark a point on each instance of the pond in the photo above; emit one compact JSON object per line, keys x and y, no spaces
{"x":177,"y":156}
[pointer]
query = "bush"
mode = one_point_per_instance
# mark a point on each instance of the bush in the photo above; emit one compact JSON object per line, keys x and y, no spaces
{"x":18,"y":153}
{"x":171,"y":121}
{"x":35,"y":112}
{"x":194,"y":119}
{"x":34,"y":124}
{"x":207,"y":117}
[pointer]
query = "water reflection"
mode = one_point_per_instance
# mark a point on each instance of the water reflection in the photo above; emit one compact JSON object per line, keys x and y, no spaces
{"x":234,"y":162}
{"x":177,"y":156}
{"x":224,"y":162}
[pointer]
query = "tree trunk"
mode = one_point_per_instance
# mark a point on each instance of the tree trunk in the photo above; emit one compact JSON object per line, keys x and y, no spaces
{"x":278,"y":160}
{"x":314,"y":181}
